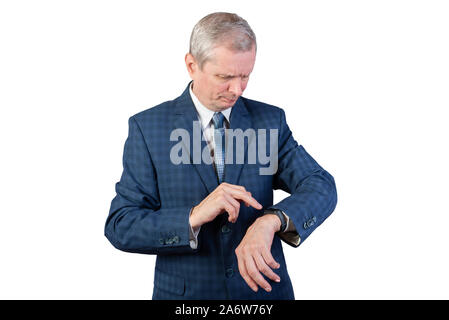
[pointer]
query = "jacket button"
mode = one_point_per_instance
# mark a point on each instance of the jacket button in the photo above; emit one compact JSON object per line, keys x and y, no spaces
{"x":229,"y":273}
{"x":225,"y":229}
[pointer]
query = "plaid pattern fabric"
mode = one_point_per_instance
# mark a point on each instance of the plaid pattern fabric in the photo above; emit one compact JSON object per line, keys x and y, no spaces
{"x":150,"y":212}
{"x":219,"y":139}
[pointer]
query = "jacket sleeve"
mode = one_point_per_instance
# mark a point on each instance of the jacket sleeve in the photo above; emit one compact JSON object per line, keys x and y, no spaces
{"x":313,"y":194}
{"x":136,"y":223}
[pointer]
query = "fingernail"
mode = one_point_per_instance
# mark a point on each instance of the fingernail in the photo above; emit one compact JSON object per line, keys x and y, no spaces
{"x":267,"y":289}
{"x":278,"y":280}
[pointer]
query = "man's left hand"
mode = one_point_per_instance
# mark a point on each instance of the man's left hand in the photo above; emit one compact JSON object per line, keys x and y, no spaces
{"x":254,"y":253}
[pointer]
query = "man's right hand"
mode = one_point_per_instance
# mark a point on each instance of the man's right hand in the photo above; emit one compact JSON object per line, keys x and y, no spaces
{"x":225,"y":198}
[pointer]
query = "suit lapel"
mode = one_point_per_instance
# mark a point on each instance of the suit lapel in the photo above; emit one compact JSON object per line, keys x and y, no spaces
{"x":185,"y":115}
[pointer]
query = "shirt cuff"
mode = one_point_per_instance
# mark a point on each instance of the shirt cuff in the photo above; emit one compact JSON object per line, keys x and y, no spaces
{"x":193,"y":235}
{"x":290,"y":234}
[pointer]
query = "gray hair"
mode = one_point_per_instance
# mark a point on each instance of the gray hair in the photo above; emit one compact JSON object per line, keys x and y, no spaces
{"x":220,"y":28}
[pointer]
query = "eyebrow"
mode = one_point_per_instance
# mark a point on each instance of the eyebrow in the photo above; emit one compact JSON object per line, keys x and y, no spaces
{"x":231,"y":75}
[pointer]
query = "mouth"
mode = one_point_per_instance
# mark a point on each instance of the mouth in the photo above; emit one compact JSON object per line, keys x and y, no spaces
{"x":228,"y":100}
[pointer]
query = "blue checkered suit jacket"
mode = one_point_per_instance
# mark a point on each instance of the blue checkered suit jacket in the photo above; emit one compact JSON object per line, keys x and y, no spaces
{"x":150,"y":213}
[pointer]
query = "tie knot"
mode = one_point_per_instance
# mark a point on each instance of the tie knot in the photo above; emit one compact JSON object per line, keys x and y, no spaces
{"x":218,"y":120}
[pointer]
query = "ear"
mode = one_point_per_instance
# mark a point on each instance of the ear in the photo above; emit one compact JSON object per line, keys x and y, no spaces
{"x":191,"y":64}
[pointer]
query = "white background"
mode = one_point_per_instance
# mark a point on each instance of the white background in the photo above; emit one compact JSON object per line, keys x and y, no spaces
{"x":365,"y":88}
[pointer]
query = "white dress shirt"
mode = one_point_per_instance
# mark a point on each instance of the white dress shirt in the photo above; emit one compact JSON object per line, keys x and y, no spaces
{"x":205,"y":116}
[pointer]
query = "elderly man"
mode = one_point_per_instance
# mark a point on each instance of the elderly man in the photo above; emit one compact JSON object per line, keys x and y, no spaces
{"x":188,"y":212}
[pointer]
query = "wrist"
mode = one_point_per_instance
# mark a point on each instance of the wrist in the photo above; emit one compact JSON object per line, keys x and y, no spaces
{"x":279,"y":216}
{"x":272,"y":221}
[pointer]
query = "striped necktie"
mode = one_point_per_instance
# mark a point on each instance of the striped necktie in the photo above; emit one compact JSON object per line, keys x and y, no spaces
{"x":219,"y":139}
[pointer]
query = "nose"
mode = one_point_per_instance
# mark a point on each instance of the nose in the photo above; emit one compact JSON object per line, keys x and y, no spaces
{"x":235,"y":87}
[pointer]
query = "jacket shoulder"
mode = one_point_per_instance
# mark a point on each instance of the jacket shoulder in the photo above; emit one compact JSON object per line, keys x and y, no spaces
{"x":156,"y":113}
{"x":261,"y":109}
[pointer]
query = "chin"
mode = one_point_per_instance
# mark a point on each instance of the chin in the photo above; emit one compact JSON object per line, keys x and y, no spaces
{"x":221,"y":106}
{"x":227,"y":106}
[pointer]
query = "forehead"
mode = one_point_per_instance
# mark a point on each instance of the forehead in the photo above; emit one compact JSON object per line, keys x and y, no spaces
{"x":226,"y":61}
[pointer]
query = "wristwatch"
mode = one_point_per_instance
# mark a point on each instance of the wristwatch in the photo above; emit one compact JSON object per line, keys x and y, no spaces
{"x":280,"y":215}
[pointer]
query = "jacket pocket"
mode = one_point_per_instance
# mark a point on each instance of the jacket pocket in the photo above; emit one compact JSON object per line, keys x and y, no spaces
{"x":170,"y":283}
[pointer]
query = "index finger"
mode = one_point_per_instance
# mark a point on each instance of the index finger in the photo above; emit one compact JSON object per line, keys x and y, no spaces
{"x":242,"y":195}
{"x":240,"y":188}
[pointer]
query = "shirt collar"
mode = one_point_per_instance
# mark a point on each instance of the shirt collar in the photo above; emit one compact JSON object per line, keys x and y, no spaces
{"x":204,"y":113}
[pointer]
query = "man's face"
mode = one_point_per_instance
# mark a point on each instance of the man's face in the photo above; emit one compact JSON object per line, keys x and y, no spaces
{"x":223,"y":78}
